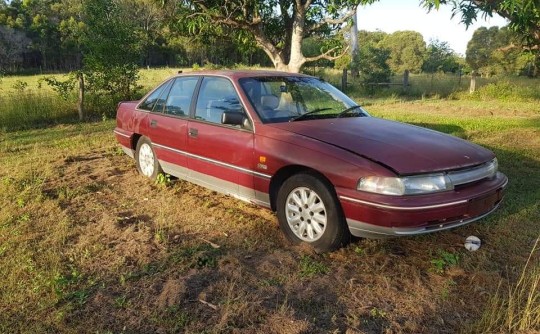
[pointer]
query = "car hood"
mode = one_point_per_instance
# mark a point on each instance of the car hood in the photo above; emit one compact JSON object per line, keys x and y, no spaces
{"x":404,"y":148}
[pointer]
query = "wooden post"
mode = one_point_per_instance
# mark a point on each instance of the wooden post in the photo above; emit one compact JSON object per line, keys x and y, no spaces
{"x":80,"y":104}
{"x":344,"y":81}
{"x":472,"y":87}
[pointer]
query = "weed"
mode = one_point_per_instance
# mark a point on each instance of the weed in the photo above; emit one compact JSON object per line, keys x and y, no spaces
{"x":3,"y":250}
{"x":121,"y":302}
{"x":79,"y":297}
{"x":444,"y":260}
{"x":20,"y":86}
{"x":447,"y":288}
{"x":274,"y":281}
{"x":163,"y":180}
{"x":310,"y":267}
{"x":359,"y":250}
{"x":160,"y":235}
{"x":377,"y":313}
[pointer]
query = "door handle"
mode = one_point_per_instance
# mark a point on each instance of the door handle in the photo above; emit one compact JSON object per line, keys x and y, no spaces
{"x":153,"y":123}
{"x":193,"y":132}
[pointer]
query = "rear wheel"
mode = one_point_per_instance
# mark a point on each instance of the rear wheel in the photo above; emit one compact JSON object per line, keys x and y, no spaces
{"x":147,"y":163}
{"x":308,"y":211}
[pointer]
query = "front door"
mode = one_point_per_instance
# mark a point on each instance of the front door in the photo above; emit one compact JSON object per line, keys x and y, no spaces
{"x":220,"y":156}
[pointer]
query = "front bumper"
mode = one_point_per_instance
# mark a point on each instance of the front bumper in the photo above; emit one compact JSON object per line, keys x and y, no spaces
{"x":379,"y":216}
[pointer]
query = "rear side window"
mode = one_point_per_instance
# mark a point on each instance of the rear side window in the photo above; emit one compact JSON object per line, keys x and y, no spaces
{"x":179,"y":100}
{"x":156,"y":98}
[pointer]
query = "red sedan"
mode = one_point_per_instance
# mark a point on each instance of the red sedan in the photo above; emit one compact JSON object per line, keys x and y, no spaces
{"x":299,"y":146}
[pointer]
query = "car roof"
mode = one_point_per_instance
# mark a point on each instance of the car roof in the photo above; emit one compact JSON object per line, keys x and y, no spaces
{"x":237,"y":74}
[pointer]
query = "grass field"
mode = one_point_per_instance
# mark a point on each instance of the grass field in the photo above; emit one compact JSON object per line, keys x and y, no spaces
{"x":89,"y":246}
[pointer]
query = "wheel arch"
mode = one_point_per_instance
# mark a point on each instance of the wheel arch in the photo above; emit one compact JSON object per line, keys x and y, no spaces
{"x":134,"y":140}
{"x":286,"y":172}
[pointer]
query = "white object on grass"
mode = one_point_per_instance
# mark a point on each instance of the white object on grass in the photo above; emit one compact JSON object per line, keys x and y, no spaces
{"x":472,"y":243}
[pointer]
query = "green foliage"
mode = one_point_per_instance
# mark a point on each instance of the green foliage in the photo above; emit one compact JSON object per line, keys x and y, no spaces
{"x":444,"y":260}
{"x":407,"y":50}
{"x":111,"y":51}
{"x":270,"y":25}
{"x":497,"y":51}
{"x":20,"y":86}
{"x":310,"y":267}
{"x":64,"y":88}
{"x":163,"y":180}
{"x":440,"y":58}
{"x":524,"y":15}
{"x":505,"y":90}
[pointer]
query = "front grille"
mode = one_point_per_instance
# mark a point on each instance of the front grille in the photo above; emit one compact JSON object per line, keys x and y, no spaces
{"x":470,"y":175}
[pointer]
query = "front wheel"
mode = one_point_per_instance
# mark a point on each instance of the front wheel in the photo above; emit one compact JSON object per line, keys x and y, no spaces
{"x":308,"y":211}
{"x":147,"y":163}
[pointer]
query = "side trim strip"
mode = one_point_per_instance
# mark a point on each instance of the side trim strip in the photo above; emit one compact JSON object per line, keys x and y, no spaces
{"x":121,"y":134}
{"x":245,"y":170}
{"x":405,"y":208}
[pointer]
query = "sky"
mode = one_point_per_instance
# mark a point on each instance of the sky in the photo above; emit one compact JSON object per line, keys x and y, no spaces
{"x":393,"y":15}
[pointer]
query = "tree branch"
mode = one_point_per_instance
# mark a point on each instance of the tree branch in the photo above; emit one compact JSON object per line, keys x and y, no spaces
{"x":331,"y":21}
{"x":327,"y":55}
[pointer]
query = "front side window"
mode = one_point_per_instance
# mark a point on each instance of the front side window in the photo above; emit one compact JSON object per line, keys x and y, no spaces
{"x":156,"y":100}
{"x":288,"y":98}
{"x":216,"y":96}
{"x":179,"y":99}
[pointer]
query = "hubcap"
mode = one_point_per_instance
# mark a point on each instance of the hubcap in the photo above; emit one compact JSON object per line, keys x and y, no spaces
{"x":146,"y":160}
{"x":306,"y":214}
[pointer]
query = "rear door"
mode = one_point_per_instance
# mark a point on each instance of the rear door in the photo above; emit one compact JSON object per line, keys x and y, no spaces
{"x":221,"y":156}
{"x":167,"y":124}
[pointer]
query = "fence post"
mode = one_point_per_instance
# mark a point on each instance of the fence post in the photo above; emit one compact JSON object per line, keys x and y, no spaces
{"x":344,"y":80}
{"x":80,"y":103}
{"x":472,"y":87}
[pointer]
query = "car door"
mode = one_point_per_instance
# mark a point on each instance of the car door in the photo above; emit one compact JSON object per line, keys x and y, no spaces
{"x":221,"y":156}
{"x":168,"y":122}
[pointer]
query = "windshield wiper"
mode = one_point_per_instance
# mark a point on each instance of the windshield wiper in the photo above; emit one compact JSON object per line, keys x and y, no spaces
{"x":314,"y":111}
{"x":346,"y":111}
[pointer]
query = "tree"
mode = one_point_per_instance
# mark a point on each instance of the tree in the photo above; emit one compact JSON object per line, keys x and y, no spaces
{"x":524,"y":15}
{"x":13,"y":43}
{"x":440,"y":58}
{"x":110,"y":53}
{"x":277,"y":26}
{"x":407,"y":50}
{"x":496,"y":51}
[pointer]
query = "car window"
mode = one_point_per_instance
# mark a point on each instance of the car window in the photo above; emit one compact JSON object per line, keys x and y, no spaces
{"x":155,"y":101}
{"x":286,"y":98}
{"x":216,"y":95}
{"x":179,"y":99}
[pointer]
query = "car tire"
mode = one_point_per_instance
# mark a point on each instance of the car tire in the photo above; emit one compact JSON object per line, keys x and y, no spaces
{"x":145,"y":157}
{"x":308,"y":211}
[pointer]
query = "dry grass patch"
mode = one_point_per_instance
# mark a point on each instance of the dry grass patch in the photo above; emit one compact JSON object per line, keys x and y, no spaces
{"x":89,"y":246}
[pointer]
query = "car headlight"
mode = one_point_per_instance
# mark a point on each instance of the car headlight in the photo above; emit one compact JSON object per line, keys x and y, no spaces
{"x":408,"y":185}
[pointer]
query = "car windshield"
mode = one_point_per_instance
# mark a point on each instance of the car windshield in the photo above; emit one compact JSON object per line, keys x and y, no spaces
{"x":290,"y":98}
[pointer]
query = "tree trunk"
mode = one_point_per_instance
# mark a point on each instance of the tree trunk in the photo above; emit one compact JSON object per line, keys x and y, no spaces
{"x":297,"y":59}
{"x":354,"y":46}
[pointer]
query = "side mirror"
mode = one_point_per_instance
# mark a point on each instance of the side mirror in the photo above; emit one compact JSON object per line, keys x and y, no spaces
{"x":231,"y":117}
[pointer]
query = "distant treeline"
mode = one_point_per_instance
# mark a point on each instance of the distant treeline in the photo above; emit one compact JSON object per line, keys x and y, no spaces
{"x":49,"y":35}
